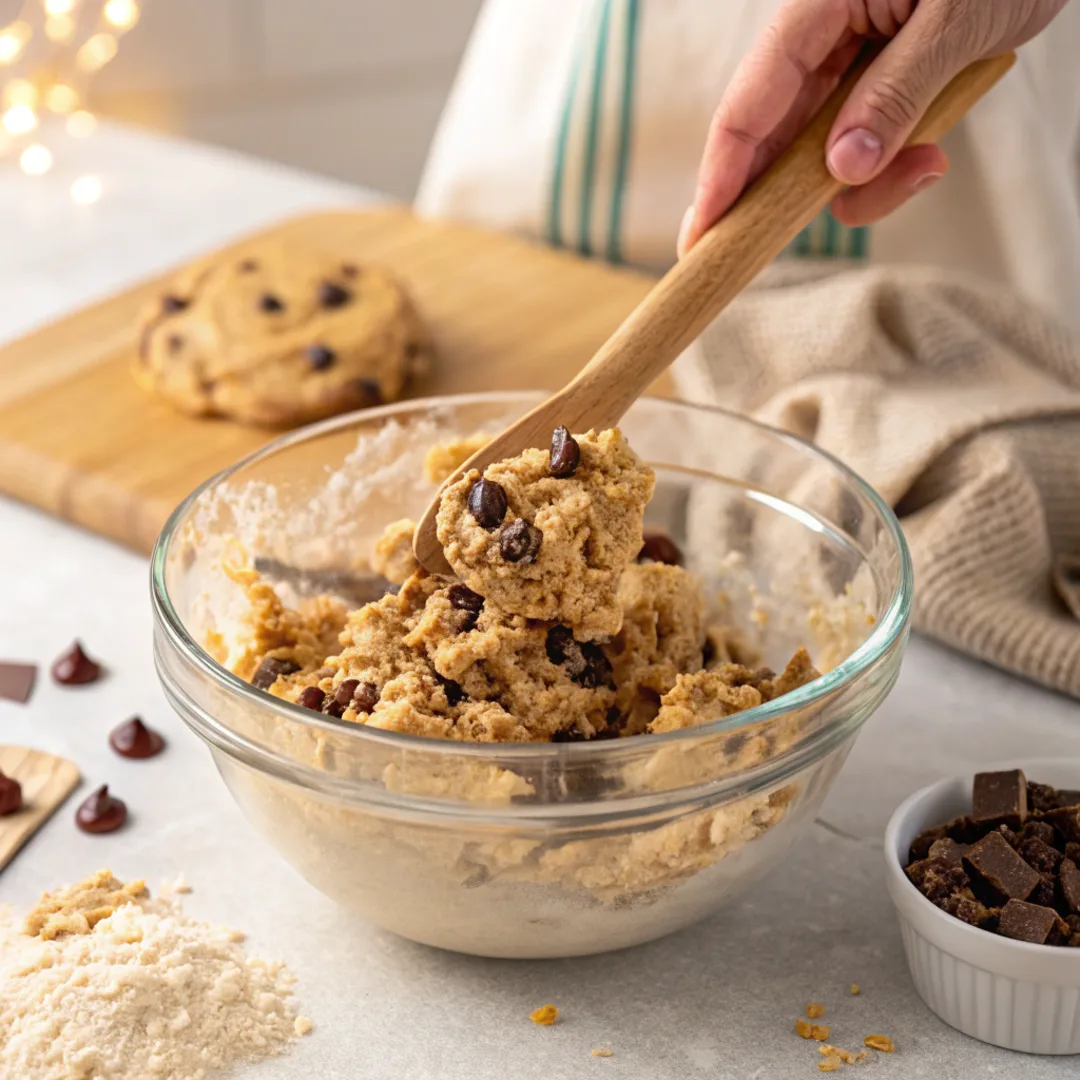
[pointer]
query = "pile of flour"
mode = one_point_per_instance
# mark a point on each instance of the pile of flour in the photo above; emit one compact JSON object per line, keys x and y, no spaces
{"x":147,"y":992}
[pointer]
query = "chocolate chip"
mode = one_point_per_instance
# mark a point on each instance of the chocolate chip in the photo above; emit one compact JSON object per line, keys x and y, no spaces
{"x":350,"y":270}
{"x":661,"y":549}
{"x":369,"y":392}
{"x":101,"y":812}
{"x":247,"y":266}
{"x":270,"y":669}
{"x":519,"y":542}
{"x":320,"y":357}
{"x":565,"y":454}
{"x":16,"y":681}
{"x":311,"y":697}
{"x":173,"y":304}
{"x":271,"y":304}
{"x":10,"y":795}
{"x":584,"y":662}
{"x":464,"y":599}
{"x":454,"y":693}
{"x":487,"y":504}
{"x":332,"y":295}
{"x":74,"y":667}
{"x":336,"y":704}
{"x":570,"y":735}
{"x":133,"y":739}
{"x":365,"y":697}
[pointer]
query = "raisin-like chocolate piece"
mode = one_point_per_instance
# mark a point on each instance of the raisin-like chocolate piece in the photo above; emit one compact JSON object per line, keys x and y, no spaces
{"x":172,"y":304}
{"x":487,"y":504}
{"x":246,"y":266}
{"x":570,"y":735}
{"x":336,"y":704}
{"x":660,"y":548}
{"x":320,"y":357}
{"x":565,"y":454}
{"x":369,"y":392}
{"x":270,"y":669}
{"x":270,"y":303}
{"x":365,"y":697}
{"x":332,"y":295}
{"x":519,"y":542}
{"x":584,"y":662}
{"x":464,"y":599}
{"x":311,"y":697}
{"x":454,"y":693}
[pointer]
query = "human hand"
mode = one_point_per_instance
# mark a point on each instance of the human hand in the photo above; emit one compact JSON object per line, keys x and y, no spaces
{"x":801,"y":57}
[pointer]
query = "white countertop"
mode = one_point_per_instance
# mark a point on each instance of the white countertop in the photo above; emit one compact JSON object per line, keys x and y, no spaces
{"x":717,"y":1001}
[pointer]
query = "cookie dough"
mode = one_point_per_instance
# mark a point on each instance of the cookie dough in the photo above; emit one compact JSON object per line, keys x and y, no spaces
{"x":280,"y":336}
{"x":619,"y":647}
{"x":549,"y":540}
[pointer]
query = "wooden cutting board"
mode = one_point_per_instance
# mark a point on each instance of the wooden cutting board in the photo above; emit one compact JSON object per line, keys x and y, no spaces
{"x":79,"y":439}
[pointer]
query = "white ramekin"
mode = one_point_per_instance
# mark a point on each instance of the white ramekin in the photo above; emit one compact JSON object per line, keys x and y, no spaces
{"x":1010,"y":993}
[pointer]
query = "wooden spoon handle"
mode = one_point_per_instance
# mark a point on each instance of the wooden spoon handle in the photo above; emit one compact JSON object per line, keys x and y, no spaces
{"x":766,"y":218}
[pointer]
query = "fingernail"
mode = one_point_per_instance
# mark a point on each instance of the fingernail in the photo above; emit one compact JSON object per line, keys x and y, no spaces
{"x":926,"y":181}
{"x":855,"y":156}
{"x":684,"y":231}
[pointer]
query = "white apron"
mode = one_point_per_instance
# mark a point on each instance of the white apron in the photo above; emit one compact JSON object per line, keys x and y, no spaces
{"x":582,"y":122}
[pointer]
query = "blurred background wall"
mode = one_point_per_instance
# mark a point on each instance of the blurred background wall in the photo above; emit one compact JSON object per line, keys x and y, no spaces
{"x":349,"y":88}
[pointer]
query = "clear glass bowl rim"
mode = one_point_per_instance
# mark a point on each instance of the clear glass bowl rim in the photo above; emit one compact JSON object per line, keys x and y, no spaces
{"x":887,"y":632}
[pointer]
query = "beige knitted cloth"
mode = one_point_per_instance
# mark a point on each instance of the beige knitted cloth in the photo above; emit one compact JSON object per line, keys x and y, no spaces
{"x":960,"y":403}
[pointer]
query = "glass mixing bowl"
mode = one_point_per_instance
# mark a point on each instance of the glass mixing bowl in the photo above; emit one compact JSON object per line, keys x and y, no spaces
{"x":540,"y":850}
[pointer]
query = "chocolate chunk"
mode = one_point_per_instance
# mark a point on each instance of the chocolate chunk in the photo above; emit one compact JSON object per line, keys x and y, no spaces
{"x":994,"y":865}
{"x":271,"y":304}
{"x":1044,"y":893}
{"x":320,"y":357}
{"x":949,"y":850}
{"x":937,"y":879}
{"x":369,"y":392}
{"x":1011,"y":838}
{"x":1038,"y":830}
{"x":365,"y":697}
{"x":1027,"y":922}
{"x":270,"y":669}
{"x":16,"y":681}
{"x":74,"y":667}
{"x":965,"y":831}
{"x":487,"y":504}
{"x":332,"y":295}
{"x":584,"y":662}
{"x":921,"y":845}
{"x":1067,"y":797}
{"x":660,"y":548}
{"x":1072,"y":851}
{"x":966,"y":908}
{"x":1040,"y":856}
{"x":1041,"y":797}
{"x":565,"y":454}
{"x":454,"y":693}
{"x":101,"y":812}
{"x":10,"y":795}
{"x":1067,"y":822}
{"x":519,"y":542}
{"x":311,"y":697}
{"x":133,"y":739}
{"x":1000,"y":797}
{"x":346,"y":691}
{"x":1069,"y":879}
{"x":247,"y":265}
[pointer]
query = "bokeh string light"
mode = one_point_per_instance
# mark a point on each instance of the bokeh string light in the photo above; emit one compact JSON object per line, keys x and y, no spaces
{"x":51,"y":52}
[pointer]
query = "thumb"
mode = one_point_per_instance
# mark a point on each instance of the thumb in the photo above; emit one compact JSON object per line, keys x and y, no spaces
{"x":891,"y":97}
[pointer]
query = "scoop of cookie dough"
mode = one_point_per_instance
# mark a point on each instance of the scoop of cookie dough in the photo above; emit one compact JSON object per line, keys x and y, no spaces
{"x":549,"y":537}
{"x":280,"y":336}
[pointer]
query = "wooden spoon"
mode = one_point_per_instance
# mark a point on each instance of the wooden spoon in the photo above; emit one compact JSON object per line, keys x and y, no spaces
{"x":767,"y":217}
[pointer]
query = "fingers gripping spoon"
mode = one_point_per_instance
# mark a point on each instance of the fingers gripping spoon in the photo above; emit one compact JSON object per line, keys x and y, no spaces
{"x":766,"y":218}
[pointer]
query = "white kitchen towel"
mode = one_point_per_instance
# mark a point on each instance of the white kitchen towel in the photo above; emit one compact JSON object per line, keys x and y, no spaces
{"x":581,"y":122}
{"x":960,"y":402}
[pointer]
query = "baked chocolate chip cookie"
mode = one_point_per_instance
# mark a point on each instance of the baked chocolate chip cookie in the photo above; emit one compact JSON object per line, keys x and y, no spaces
{"x":280,"y":336}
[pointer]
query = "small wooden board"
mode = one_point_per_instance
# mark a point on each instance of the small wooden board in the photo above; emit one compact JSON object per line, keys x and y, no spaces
{"x":46,"y":782}
{"x":80,"y":440}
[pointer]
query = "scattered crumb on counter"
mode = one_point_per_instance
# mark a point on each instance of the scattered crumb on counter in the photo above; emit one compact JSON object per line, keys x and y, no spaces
{"x":815,"y":1011}
{"x":855,"y":990}
{"x":179,"y":885}
{"x":830,"y":1064}
{"x":302,"y":1025}
{"x":806,"y":1030}
{"x":602,"y":1051}
{"x":879,"y":1042}
{"x":545,"y":1015}
{"x":846,"y":1056}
